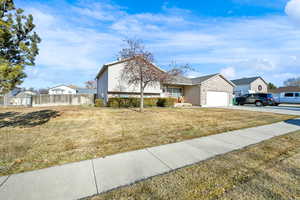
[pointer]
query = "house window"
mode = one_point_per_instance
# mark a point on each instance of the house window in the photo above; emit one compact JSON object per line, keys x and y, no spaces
{"x":175,"y":92}
{"x":259,"y":88}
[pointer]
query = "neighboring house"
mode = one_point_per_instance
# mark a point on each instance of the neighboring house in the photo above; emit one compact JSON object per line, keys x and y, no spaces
{"x":86,"y":91}
{"x":71,"y":89}
{"x":211,"y":90}
{"x":250,"y":85}
{"x":17,"y":97}
{"x":62,"y":89}
{"x":23,"y":98}
{"x":289,"y":94}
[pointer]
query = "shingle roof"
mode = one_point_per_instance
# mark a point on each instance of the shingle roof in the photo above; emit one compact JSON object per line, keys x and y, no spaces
{"x":180,"y":80}
{"x":285,"y":89}
{"x":245,"y":81}
{"x":200,"y":79}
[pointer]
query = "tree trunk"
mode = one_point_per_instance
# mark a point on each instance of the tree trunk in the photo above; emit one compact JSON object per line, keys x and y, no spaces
{"x":142,"y":101}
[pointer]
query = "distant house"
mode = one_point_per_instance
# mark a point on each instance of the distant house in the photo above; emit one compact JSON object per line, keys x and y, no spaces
{"x":289,"y":94}
{"x":210,"y":90}
{"x":70,"y":89}
{"x":62,"y":89}
{"x":250,"y":85}
{"x":86,"y":91}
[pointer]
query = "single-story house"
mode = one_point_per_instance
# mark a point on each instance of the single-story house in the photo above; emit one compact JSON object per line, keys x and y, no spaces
{"x":70,"y":89}
{"x":250,"y":85}
{"x":210,"y":90}
{"x":62,"y":89}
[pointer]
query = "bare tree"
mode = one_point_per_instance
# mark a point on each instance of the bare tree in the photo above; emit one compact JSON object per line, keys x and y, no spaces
{"x":139,"y":69}
{"x":90,"y":84}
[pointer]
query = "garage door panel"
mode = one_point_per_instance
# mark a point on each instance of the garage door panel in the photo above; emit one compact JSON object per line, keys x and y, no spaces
{"x":216,"y":98}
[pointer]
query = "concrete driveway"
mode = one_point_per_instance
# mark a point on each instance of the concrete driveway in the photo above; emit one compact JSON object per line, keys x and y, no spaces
{"x":282,"y":109}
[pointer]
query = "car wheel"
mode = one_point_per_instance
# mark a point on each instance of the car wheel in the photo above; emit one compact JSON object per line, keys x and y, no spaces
{"x":258,"y":103}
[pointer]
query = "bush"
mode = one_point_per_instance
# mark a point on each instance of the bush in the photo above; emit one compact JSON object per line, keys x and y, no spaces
{"x":99,"y":103}
{"x":166,"y":102}
{"x":116,"y":102}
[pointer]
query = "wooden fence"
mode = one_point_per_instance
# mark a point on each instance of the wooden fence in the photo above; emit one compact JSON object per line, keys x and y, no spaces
{"x":65,"y":99}
{"x":49,"y":100}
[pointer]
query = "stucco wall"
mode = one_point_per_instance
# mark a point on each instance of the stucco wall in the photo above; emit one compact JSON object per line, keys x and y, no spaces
{"x":254,"y":86}
{"x":192,"y":94}
{"x":116,"y":84}
{"x":102,"y":85}
{"x":216,"y":84}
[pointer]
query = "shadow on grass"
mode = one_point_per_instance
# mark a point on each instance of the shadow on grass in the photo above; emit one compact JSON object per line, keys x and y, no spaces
{"x":8,"y":115}
{"x":15,"y":119}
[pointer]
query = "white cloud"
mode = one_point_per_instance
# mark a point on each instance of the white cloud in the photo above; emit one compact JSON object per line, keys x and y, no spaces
{"x":88,"y":36}
{"x":228,"y":72}
{"x":292,"y":9}
{"x":193,"y":74}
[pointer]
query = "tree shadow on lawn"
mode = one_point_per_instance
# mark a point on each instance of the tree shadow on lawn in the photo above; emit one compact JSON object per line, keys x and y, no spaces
{"x":31,"y":119}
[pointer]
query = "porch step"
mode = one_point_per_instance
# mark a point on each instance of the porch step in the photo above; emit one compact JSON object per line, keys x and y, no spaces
{"x":182,"y":105}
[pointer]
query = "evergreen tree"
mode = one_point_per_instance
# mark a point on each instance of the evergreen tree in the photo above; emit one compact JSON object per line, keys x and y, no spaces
{"x":18,"y":45}
{"x":271,"y":86}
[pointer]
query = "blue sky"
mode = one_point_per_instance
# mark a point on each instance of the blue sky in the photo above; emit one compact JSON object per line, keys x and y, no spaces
{"x":238,"y":38}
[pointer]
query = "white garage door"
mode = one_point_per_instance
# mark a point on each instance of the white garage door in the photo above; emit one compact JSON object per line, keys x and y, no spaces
{"x":217,"y":99}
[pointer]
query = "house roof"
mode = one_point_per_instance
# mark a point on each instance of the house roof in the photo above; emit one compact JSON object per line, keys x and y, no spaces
{"x":180,"y":80}
{"x":69,"y":86}
{"x":285,"y":89}
{"x":200,"y":79}
{"x":105,"y":66}
{"x":86,"y":91}
{"x":246,"y":81}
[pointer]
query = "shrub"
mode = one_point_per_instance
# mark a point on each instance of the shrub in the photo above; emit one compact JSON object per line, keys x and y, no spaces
{"x":99,"y":103}
{"x":162,"y":102}
{"x":150,"y":102}
{"x":116,"y":102}
{"x":166,"y":102}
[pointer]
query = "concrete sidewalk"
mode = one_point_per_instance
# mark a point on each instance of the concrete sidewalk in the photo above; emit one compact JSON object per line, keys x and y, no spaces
{"x":87,"y":178}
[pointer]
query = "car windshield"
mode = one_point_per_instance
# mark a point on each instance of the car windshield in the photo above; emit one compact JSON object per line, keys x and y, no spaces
{"x":266,"y":95}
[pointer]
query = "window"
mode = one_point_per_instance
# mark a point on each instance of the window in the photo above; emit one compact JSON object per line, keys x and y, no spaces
{"x":259,"y":88}
{"x":297,"y":94}
{"x":289,"y":94}
{"x":174,"y":92}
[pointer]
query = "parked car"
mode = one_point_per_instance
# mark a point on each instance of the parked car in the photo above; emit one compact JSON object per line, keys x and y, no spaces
{"x":287,"y":97}
{"x":259,"y":99}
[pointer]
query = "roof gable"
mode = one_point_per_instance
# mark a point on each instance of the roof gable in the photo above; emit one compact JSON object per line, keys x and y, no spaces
{"x":247,"y":81}
{"x":105,"y":66}
{"x":201,"y":79}
{"x":285,"y":89}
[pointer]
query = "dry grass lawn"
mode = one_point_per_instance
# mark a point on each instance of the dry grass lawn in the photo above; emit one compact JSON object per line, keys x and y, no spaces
{"x":269,"y":170}
{"x":33,"y":138}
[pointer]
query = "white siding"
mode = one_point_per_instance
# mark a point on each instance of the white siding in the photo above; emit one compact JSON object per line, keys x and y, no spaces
{"x":62,"y":90}
{"x":102,"y":85}
{"x":116,"y":84}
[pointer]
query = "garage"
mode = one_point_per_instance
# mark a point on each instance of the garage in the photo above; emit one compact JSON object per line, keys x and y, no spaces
{"x":217,"y":98}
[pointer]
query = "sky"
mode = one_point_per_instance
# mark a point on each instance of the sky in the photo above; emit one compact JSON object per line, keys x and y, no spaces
{"x":237,"y":38}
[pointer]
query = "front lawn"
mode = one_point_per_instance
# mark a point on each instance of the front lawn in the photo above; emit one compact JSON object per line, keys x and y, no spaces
{"x":269,"y":170}
{"x":33,"y":138}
